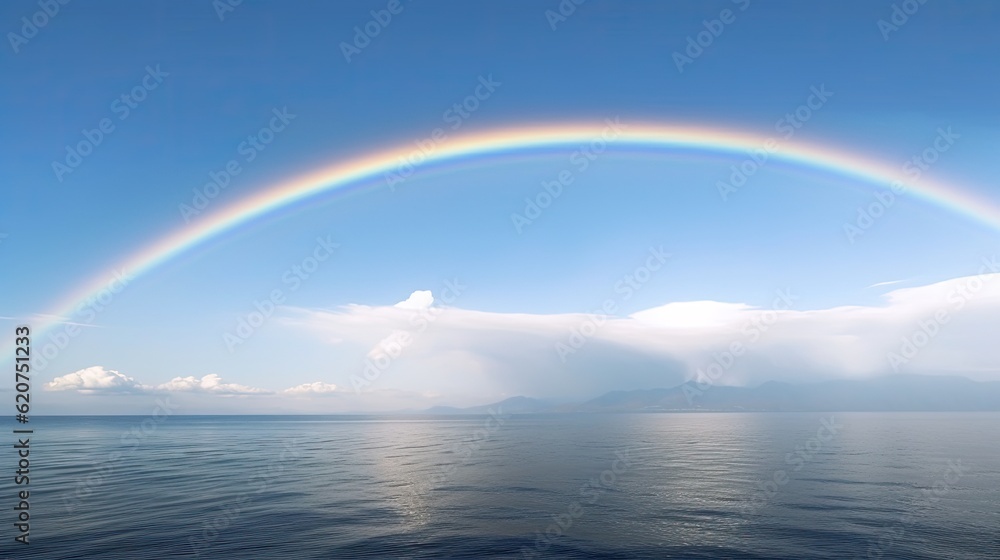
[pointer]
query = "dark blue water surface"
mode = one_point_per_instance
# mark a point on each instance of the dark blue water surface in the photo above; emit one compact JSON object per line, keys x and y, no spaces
{"x":783,"y":485}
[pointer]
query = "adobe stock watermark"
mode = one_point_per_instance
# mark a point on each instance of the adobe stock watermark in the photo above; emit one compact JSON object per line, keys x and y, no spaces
{"x":33,"y":24}
{"x":392,"y":347}
{"x":563,"y":11}
{"x":899,"y":17}
{"x":914,"y":169}
{"x":752,"y":331}
{"x":553,"y":189}
{"x":249,"y":149}
{"x":929,"y":328}
{"x":941,"y":487}
{"x":228,"y":514}
{"x":224,"y":7}
{"x":122,"y":106}
{"x":767,"y":489}
{"x":364,"y":34}
{"x":264,"y":308}
{"x":455,"y":116}
{"x":467,"y":449}
{"x":84,"y":315}
{"x":696,"y":44}
{"x":787,"y":125}
{"x":590,"y":493}
{"x":626,"y":288}
{"x":133,"y":438}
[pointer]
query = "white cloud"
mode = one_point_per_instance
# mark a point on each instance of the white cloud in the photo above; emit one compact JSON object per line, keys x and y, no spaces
{"x":458,"y":350}
{"x":95,"y":379}
{"x":400,"y":320}
{"x":467,"y":356}
{"x":693,"y":314}
{"x":317,"y":388}
{"x":396,"y":340}
{"x":420,"y":299}
{"x":210,"y":383}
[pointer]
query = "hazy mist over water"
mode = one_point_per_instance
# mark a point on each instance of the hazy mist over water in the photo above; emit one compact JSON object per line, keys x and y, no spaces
{"x":727,"y":485}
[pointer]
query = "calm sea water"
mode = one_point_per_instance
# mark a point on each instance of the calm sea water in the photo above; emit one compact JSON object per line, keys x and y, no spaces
{"x":903,"y":485}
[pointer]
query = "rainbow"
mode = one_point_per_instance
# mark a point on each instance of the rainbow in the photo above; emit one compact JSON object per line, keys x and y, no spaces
{"x":339,"y":177}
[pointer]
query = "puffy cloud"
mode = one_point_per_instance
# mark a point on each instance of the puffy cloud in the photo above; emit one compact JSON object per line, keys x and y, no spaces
{"x":210,"y":383}
{"x":938,"y":328}
{"x":420,"y":299}
{"x":317,"y":388}
{"x":94,"y":380}
{"x":462,"y":355}
{"x":371,"y":323}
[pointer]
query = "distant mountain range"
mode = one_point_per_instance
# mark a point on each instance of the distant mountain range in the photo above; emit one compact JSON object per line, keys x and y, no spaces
{"x":888,"y":394}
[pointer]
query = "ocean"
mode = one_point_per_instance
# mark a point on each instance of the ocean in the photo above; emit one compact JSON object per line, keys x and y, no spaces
{"x":696,"y":485}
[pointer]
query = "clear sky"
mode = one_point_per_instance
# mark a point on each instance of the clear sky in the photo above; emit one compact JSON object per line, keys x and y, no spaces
{"x":201,"y":79}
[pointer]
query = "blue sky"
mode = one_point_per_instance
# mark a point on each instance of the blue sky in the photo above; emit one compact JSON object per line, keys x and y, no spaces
{"x":218,"y":80}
